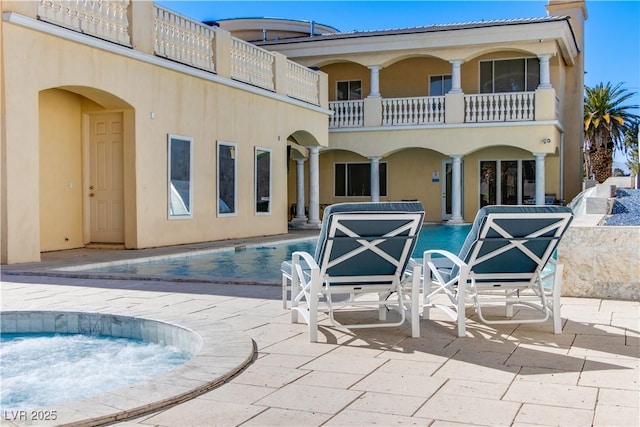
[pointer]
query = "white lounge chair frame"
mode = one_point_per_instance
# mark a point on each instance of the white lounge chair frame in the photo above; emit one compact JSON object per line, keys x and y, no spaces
{"x":536,"y":288}
{"x":313,"y":285}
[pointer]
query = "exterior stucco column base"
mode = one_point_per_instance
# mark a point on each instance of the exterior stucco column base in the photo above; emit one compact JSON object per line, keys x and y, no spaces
{"x":455,"y":221}
{"x":298,"y":223}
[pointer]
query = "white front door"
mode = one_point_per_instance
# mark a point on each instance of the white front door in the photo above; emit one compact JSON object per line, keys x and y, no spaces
{"x":106,"y":178}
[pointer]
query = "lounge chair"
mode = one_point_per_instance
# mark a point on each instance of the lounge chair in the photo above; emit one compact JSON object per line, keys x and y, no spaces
{"x":502,"y":262}
{"x":362,"y":248}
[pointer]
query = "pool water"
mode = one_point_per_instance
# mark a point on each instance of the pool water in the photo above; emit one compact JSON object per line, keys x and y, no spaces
{"x":42,"y":369}
{"x":262,"y":263}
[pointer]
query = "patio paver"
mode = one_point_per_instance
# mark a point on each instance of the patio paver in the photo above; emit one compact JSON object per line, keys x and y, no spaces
{"x":515,"y":375}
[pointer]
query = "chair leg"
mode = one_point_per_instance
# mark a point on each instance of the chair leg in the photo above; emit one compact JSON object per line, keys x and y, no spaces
{"x":426,"y":291}
{"x":285,"y":285}
{"x":415,"y":302}
{"x":462,"y":298}
{"x":314,"y":292}
{"x":295,"y":290}
{"x":555,"y":300}
{"x":382,"y":309}
{"x":508,"y":311}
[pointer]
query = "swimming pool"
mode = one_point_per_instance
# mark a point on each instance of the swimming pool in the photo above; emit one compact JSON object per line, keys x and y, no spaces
{"x":261,"y":263}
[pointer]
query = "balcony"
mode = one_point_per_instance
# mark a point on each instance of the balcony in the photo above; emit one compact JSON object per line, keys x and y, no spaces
{"x":185,"y":41}
{"x":450,"y":109}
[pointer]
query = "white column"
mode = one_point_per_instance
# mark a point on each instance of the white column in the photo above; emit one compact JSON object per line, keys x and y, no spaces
{"x":300,"y":213}
{"x":456,"y":86}
{"x":456,"y":190}
{"x":545,"y":75}
{"x":314,"y":187}
{"x":375,"y":81}
{"x":375,"y":179}
{"x":540,"y":185}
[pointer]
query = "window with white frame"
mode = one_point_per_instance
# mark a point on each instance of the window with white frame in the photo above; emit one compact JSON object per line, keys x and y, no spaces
{"x":349,"y":90}
{"x":507,"y":182}
{"x":263,"y":180}
{"x":227,"y":178}
{"x":509,"y":75}
{"x":179,"y":172}
{"x":439,"y":85}
{"x":354,"y":179}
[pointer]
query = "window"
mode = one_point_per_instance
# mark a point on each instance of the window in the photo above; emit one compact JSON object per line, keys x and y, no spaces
{"x":227,"y":178}
{"x":263,"y":180}
{"x":179,"y":174}
{"x":507,"y":182}
{"x":349,"y":90}
{"x":439,"y":85}
{"x":354,"y":179}
{"x":509,"y":75}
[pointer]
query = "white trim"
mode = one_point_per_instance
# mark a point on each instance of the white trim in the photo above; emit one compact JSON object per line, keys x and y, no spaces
{"x":170,"y":189}
{"x":255,"y":180}
{"x":448,"y":126}
{"x":235,"y":178}
{"x":53,"y":30}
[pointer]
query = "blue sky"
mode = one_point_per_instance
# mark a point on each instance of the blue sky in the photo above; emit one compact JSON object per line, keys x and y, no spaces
{"x":612,"y":32}
{"x":612,"y":40}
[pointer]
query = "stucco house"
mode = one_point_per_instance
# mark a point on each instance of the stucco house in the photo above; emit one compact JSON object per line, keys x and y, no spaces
{"x":458,"y":116}
{"x":125,"y":123}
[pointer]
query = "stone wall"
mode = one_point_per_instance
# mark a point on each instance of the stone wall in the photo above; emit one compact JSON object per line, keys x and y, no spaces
{"x":600,"y":261}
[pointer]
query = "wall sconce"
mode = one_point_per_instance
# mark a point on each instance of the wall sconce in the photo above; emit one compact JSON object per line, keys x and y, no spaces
{"x":546,"y":141}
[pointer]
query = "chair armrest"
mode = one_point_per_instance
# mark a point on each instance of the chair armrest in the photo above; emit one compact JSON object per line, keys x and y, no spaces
{"x":436,"y":268}
{"x":451,"y":257}
{"x":303,"y":260}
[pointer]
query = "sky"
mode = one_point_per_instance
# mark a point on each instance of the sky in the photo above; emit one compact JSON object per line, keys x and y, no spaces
{"x":612,"y":29}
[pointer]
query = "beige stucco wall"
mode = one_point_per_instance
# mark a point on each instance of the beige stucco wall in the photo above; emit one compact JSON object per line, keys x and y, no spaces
{"x":44,"y":139}
{"x":60,"y":172}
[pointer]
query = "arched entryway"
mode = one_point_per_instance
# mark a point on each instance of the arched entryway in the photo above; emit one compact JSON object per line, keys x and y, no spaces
{"x":85,"y":135}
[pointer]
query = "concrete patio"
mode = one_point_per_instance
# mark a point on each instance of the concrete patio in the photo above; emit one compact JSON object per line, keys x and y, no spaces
{"x":510,"y":375}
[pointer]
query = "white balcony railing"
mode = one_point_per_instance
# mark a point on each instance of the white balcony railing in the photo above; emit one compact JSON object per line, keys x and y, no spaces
{"x":104,"y":19}
{"x":499,"y":107}
{"x":302,"y":83}
{"x":346,"y":114}
{"x":183,"y":40}
{"x":413,"y":111}
{"x":251,"y":64}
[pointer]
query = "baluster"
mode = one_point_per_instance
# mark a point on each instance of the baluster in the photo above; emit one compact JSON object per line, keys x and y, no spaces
{"x":429,"y":116}
{"x":426,"y":111}
{"x":353,"y":114}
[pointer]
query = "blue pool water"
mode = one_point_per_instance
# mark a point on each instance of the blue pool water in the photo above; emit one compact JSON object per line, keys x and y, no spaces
{"x":41,"y":369}
{"x":262,"y":263}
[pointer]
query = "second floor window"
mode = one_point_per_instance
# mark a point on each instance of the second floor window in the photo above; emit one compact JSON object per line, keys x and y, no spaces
{"x":509,"y":75}
{"x":349,"y":90}
{"x":439,"y":85}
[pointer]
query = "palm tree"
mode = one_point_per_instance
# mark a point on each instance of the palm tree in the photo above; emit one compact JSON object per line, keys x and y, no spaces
{"x":605,"y":121}
{"x":631,"y":142}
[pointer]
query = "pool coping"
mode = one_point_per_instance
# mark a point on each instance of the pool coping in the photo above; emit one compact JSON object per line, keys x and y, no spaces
{"x":219,"y":353}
